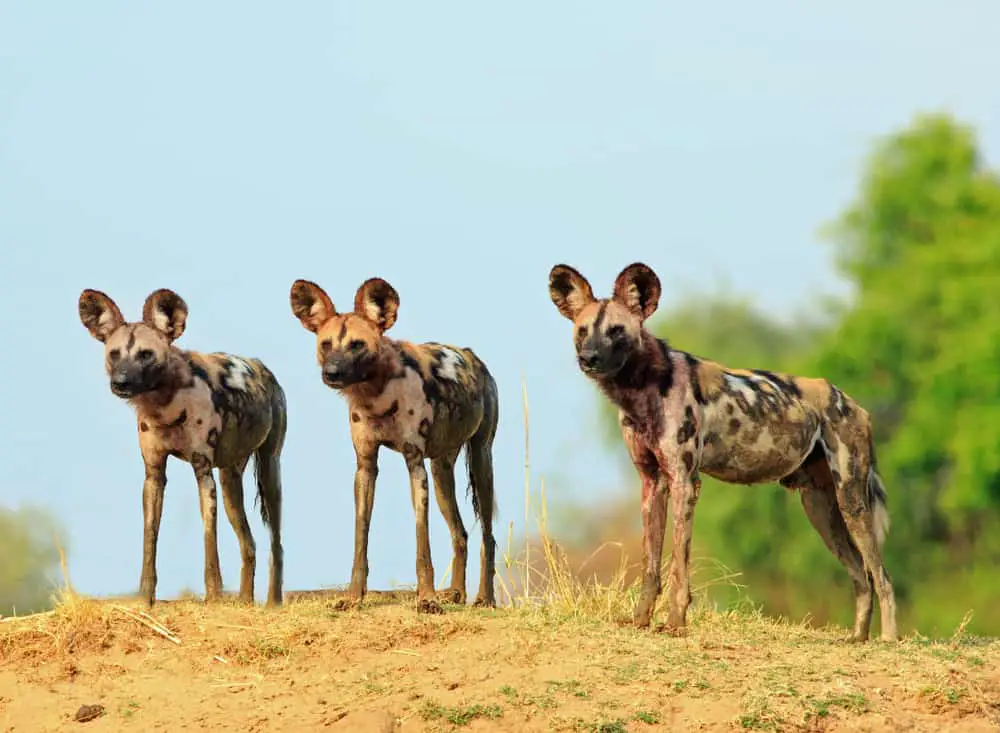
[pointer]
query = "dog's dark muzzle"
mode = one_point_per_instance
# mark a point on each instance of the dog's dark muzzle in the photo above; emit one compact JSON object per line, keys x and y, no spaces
{"x":129,"y":380}
{"x":334,"y":375}
{"x":599,"y":362}
{"x":340,"y":373}
{"x":126,"y":383}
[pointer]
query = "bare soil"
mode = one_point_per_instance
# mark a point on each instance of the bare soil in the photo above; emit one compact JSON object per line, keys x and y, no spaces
{"x":103,"y":666}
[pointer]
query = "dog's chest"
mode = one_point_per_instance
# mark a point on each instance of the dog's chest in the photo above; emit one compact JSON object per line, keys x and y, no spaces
{"x":190,"y":424}
{"x":400,"y":414}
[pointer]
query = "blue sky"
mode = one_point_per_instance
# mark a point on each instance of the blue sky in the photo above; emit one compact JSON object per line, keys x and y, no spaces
{"x":458,"y":150}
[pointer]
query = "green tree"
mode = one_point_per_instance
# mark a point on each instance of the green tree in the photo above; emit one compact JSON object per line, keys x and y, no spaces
{"x":920,"y":346}
{"x":29,"y":560}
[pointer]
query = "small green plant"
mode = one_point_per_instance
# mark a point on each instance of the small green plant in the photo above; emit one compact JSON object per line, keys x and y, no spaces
{"x":646,"y":717}
{"x":572,"y":687}
{"x":374,"y":688}
{"x":945,"y":653}
{"x":755,"y":721}
{"x":758,"y":716}
{"x":854,"y":702}
{"x":602,"y":726}
{"x":542,"y":702}
{"x":268,"y":649}
{"x":821,"y":708}
{"x":626,"y":674}
{"x":459,"y":716}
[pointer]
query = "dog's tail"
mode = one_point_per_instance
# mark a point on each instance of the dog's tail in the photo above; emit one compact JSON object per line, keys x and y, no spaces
{"x":479,"y":458}
{"x":877,"y":499}
{"x":267,"y":463}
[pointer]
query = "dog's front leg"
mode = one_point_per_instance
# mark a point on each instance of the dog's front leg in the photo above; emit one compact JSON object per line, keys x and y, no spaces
{"x":364,"y":502}
{"x":684,"y":493}
{"x":420,"y":494}
{"x":209,"y":503}
{"x":153,"y":489}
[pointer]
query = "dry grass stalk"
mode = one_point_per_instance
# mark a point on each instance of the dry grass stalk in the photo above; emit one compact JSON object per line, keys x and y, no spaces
{"x":527,"y":482}
{"x":149,"y":622}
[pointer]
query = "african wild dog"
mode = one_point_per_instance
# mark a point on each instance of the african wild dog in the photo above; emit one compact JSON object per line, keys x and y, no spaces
{"x":210,"y":410}
{"x":421,"y":400}
{"x":680,"y":414}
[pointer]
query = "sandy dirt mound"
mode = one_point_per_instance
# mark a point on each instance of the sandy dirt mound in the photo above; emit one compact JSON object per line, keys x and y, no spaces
{"x":106,"y":665}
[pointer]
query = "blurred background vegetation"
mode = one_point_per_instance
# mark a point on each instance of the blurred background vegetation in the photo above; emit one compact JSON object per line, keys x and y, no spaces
{"x":30,"y":541}
{"x":917,"y":342}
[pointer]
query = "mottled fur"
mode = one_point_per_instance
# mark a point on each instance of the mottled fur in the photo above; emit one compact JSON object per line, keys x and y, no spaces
{"x":425,"y":401}
{"x":210,"y":410}
{"x":681,"y":415}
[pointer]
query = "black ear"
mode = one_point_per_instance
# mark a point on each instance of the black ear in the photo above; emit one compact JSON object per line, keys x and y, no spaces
{"x":377,"y":301}
{"x":99,"y":314}
{"x":165,"y":311}
{"x":311,"y":305}
{"x":569,"y":290}
{"x":638,"y":289}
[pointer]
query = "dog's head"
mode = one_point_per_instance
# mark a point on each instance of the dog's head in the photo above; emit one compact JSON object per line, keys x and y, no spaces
{"x":606,"y":331}
{"x":136,"y":354}
{"x":348,"y":345}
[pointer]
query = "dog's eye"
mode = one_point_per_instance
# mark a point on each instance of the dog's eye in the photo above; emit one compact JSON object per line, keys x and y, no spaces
{"x":325,"y":346}
{"x":616,"y":331}
{"x":114,"y":355}
{"x":356,"y":346}
{"x":144,"y":355}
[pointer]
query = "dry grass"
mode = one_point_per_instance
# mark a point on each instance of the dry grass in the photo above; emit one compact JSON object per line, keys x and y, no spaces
{"x":560,"y":655}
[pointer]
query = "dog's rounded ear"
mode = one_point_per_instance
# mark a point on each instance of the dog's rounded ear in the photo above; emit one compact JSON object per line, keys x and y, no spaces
{"x":311,"y":305}
{"x":377,"y":301}
{"x":167,"y":312}
{"x":569,"y":290}
{"x":99,"y":314}
{"x":638,"y":289}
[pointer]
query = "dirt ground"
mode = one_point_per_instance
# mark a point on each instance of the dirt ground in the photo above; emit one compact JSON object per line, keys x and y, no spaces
{"x":384,"y":668}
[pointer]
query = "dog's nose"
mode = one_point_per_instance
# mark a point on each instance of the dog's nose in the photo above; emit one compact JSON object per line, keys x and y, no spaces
{"x":119,"y":380}
{"x":331,"y":372}
{"x":589,"y":359}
